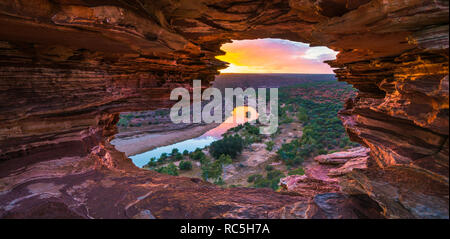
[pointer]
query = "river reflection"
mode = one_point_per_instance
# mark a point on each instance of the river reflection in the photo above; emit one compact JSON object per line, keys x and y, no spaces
{"x":240,"y":115}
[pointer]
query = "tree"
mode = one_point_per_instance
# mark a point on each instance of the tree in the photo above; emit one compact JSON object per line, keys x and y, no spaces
{"x":198,"y":155}
{"x":269,"y":168}
{"x":219,"y":181}
{"x":211,"y":170}
{"x":152,"y":163}
{"x":302,"y":115}
{"x":298,"y":171}
{"x":229,"y":145}
{"x":275,"y":174}
{"x":253,"y":177}
{"x":170,"y":169}
{"x":269,"y":145}
{"x":271,"y":181}
{"x":185,"y":165}
{"x":175,"y":152}
{"x":225,"y":159}
{"x":162,"y":158}
{"x":178,"y":157}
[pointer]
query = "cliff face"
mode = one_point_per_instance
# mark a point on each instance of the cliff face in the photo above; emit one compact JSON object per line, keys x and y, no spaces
{"x":67,"y":68}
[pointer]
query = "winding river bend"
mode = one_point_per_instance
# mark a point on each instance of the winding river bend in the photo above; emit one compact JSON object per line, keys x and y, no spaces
{"x":238,"y":117}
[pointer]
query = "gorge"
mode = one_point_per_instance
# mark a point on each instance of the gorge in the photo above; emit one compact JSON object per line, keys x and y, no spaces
{"x":69,"y":67}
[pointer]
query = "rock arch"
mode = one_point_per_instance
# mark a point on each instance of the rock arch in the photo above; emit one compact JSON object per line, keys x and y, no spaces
{"x":68,"y":67}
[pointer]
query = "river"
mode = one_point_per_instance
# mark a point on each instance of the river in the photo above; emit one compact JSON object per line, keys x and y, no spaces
{"x":238,"y":117}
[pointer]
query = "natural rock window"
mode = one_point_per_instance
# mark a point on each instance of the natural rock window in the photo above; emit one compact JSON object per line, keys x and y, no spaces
{"x":69,"y":68}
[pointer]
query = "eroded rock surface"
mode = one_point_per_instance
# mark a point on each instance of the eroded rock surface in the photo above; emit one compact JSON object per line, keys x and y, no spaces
{"x":342,"y":157}
{"x":67,"y":68}
{"x":320,"y":187}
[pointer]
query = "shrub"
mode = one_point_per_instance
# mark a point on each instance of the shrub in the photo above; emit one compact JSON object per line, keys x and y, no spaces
{"x":262,"y":182}
{"x":178,"y":157}
{"x":175,"y":152}
{"x":185,"y":152}
{"x":123,"y":122}
{"x":170,"y":169}
{"x":229,"y":145}
{"x":225,"y":159}
{"x":198,"y":155}
{"x":251,"y":129}
{"x":322,"y":151}
{"x":302,"y":115}
{"x":275,"y":174}
{"x":211,"y":170}
{"x":151,"y":163}
{"x":269,"y":168}
{"x":298,"y":171}
{"x":250,"y":139}
{"x":219,"y":181}
{"x":236,"y":129}
{"x":269,"y":145}
{"x":185,"y":165}
{"x":162,"y":158}
{"x":253,"y":177}
{"x":292,"y":153}
{"x":271,"y":181}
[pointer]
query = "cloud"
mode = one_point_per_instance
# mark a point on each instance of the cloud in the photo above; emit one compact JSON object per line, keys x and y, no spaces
{"x":275,"y":56}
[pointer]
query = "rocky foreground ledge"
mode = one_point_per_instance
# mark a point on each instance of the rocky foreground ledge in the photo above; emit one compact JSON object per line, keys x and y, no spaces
{"x":68,"y":68}
{"x":337,"y":186}
{"x":107,"y":185}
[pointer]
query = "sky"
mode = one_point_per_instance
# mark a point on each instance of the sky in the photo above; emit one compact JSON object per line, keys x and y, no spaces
{"x":276,"y":56}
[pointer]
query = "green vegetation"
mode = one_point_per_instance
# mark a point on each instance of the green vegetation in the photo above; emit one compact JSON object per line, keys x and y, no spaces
{"x":152,"y":163}
{"x":170,"y":169}
{"x":124,"y":120}
{"x":269,"y":168}
{"x":162,"y":158}
{"x":211,"y":170}
{"x":283,"y":116}
{"x":229,"y":145}
{"x":290,"y":154}
{"x":178,"y":157}
{"x":253,"y":177}
{"x":298,"y":171}
{"x":248,"y":132}
{"x":197,"y":155}
{"x":143,"y":118}
{"x":175,"y":152}
{"x":316,"y":105}
{"x":269,"y":145}
{"x":225,"y":159}
{"x":185,"y":165}
{"x":270,"y":181}
{"x":302,"y":114}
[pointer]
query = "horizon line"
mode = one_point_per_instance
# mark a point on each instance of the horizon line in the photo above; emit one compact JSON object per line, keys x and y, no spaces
{"x":284,"y":73}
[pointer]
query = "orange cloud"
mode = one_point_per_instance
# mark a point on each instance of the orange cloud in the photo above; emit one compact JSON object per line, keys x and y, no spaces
{"x":275,"y":56}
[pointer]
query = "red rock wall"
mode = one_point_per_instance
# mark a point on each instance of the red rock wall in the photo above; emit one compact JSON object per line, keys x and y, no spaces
{"x":68,"y":67}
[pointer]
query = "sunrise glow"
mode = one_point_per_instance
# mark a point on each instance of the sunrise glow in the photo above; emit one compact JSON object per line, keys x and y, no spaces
{"x":276,"y":56}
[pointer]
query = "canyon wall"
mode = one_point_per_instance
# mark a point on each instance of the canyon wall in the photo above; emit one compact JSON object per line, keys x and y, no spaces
{"x":68,"y":67}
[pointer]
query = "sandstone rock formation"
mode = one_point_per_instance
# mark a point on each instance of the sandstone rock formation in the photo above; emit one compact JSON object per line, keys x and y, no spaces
{"x":342,"y":157}
{"x":67,"y":68}
{"x":320,"y":187}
